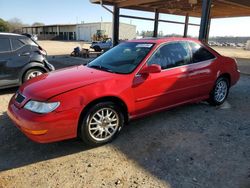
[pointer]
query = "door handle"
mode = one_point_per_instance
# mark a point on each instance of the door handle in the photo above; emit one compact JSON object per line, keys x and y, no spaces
{"x":24,"y":54}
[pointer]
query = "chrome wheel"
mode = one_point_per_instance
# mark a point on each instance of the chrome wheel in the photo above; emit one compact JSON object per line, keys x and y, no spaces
{"x":103,"y":124}
{"x":34,"y":74}
{"x":220,"y":92}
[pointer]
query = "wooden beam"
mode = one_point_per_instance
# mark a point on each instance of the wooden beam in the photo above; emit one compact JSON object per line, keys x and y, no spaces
{"x":134,"y":3}
{"x":233,"y":3}
{"x":220,"y":8}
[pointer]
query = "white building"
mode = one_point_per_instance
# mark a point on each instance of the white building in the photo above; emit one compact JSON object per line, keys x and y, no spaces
{"x":53,"y":32}
{"x":79,"y":31}
{"x":87,"y":30}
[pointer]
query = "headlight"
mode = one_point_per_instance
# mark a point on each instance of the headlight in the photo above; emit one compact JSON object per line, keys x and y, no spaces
{"x":41,"y":107}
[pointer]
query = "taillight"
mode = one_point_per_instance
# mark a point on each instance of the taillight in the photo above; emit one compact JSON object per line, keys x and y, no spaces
{"x":42,"y":51}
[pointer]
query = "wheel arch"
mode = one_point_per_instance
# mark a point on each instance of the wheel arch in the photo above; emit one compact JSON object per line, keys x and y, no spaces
{"x":228,"y":76}
{"x":114,"y":99}
{"x":31,"y":65}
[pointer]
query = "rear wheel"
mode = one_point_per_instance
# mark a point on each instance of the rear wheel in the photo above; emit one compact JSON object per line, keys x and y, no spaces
{"x":220,"y":92}
{"x":32,"y":73}
{"x":101,"y":123}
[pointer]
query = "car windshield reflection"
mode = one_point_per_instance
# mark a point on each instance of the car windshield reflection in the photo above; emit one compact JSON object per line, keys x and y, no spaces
{"x":122,"y":59}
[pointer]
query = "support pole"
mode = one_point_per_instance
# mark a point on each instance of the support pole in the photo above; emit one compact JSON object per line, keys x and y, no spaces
{"x":116,"y":14}
{"x":186,"y":26}
{"x":208,"y":30}
{"x":206,"y":7}
{"x":155,"y":34}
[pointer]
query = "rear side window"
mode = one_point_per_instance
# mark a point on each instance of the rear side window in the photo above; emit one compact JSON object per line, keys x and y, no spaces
{"x":5,"y":45}
{"x":28,"y":41}
{"x":16,"y":44}
{"x":200,"y":53}
{"x":171,"y":55}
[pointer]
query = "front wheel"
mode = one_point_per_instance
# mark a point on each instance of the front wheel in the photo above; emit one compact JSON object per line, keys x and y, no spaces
{"x":220,"y":92}
{"x":101,"y":123}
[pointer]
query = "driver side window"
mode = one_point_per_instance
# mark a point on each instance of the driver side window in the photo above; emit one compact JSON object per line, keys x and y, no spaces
{"x":171,"y":55}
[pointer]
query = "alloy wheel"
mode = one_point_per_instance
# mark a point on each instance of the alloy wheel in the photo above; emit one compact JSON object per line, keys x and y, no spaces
{"x":103,"y":124}
{"x":220,"y":91}
{"x":34,"y":74}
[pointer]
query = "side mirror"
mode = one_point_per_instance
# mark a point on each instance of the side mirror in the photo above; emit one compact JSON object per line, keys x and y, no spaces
{"x":154,"y":68}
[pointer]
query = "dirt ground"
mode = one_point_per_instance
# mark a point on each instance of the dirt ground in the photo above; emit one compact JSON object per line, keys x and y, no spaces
{"x":233,"y":52}
{"x":61,"y":47}
{"x":193,"y":146}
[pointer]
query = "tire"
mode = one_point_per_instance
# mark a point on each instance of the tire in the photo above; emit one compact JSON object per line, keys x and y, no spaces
{"x":96,"y":128}
{"x":32,"y":73}
{"x":220,"y":92}
{"x":97,"y":48}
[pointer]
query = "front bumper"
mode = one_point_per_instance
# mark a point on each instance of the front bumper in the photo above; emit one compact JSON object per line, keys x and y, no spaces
{"x":45,"y":128}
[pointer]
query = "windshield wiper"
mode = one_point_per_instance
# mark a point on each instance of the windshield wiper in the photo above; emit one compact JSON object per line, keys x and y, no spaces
{"x":99,"y":67}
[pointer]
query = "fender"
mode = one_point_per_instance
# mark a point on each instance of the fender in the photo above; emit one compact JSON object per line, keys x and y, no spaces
{"x":30,"y":66}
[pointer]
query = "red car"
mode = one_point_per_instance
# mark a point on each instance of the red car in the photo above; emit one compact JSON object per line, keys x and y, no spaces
{"x":133,"y":79}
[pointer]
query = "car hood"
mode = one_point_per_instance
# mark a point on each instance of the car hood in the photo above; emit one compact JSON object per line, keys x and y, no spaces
{"x":54,"y":83}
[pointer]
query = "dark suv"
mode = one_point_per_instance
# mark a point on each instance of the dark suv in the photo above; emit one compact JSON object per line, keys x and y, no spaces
{"x":21,"y":59}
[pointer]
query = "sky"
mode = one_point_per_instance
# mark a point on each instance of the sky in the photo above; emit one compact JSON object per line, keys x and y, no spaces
{"x":77,"y":11}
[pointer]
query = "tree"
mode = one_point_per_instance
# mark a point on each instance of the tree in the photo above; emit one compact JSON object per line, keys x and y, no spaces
{"x":4,"y":26}
{"x":147,"y":33}
{"x":16,"y":25}
{"x":38,"y":24}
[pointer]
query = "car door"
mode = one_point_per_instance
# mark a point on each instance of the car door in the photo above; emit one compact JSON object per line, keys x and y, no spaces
{"x":167,"y":88}
{"x":6,"y":56}
{"x":201,"y":70}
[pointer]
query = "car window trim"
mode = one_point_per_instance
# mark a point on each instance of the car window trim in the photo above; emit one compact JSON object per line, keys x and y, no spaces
{"x":146,"y":61}
{"x":10,"y":46}
{"x":19,"y":47}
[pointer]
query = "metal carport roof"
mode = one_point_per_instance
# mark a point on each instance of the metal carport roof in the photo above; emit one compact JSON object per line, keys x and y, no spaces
{"x":219,"y":8}
{"x":206,"y":9}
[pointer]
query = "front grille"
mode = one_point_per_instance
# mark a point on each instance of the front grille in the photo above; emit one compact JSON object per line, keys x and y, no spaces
{"x":19,"y":98}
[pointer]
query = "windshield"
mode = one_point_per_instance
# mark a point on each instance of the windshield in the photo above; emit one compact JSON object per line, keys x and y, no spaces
{"x":122,"y":59}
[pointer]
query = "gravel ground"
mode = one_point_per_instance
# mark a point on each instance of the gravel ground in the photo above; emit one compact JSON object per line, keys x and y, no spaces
{"x":190,"y":146}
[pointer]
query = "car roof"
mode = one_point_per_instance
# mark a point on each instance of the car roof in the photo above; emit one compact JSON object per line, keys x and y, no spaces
{"x":12,"y":35}
{"x":164,"y":39}
{"x":9,"y":34}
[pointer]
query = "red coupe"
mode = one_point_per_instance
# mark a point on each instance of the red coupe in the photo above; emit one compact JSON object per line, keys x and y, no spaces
{"x":133,"y":79}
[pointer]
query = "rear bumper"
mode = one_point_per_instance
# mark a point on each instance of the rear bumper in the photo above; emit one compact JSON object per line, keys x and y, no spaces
{"x":45,"y":128}
{"x":49,"y":66}
{"x":235,"y":77}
